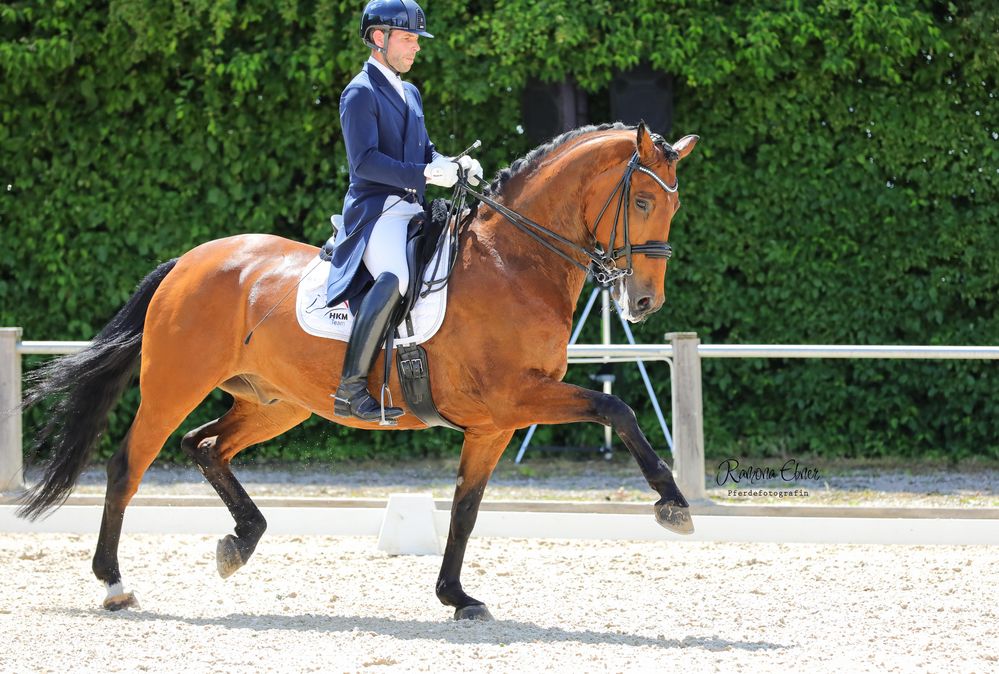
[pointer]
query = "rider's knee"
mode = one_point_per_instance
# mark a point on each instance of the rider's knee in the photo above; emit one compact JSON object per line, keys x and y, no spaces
{"x":401,"y":279}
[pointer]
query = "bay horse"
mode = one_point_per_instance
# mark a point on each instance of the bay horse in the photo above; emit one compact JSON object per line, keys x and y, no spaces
{"x":496,"y":364}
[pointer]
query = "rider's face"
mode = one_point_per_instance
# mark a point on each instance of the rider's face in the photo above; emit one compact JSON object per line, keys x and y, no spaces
{"x":401,"y":50}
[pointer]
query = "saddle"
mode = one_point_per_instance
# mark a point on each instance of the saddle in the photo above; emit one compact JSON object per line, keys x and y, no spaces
{"x":426,"y":232}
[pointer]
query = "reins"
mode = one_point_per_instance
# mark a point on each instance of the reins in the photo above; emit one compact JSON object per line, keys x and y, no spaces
{"x":602,"y":265}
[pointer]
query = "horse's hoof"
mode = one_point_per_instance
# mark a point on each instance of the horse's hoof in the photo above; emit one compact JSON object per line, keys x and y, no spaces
{"x":227,"y":557}
{"x":675,"y":518}
{"x":121,"y":601}
{"x":473,"y":612}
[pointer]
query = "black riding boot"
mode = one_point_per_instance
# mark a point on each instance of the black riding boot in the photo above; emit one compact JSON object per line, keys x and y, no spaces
{"x":371,"y":325}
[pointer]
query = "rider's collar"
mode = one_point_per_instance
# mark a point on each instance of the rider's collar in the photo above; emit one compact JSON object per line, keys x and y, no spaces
{"x":394,"y":78}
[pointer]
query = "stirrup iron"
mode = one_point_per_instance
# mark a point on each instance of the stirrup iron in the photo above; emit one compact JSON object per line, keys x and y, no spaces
{"x":384,"y":421}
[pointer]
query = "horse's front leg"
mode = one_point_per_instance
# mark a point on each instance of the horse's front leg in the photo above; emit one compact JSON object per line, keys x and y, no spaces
{"x":479,"y":454}
{"x":547,"y":401}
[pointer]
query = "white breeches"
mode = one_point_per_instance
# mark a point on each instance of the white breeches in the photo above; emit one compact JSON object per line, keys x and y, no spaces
{"x":386,"y":249}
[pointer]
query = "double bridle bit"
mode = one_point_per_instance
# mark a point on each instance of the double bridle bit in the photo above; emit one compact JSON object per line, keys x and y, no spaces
{"x":603,"y":265}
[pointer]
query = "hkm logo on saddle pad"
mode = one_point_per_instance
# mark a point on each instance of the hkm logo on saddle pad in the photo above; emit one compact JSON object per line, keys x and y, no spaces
{"x":336,"y":322}
{"x":338,"y":317}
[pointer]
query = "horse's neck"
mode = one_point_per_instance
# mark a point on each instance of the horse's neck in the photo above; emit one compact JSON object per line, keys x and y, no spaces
{"x":514,"y":253}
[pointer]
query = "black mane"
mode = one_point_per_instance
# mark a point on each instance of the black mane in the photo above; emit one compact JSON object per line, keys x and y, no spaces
{"x":534,"y":157}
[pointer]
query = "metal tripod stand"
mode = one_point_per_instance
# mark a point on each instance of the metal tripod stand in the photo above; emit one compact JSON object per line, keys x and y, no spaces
{"x":605,"y":377}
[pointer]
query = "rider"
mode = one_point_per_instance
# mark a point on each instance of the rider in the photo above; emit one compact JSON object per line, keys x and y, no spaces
{"x":391,"y":161}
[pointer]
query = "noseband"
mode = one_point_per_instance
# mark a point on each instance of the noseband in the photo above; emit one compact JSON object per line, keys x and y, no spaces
{"x":603,"y":263}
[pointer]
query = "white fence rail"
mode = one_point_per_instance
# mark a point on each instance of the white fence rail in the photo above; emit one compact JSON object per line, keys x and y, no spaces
{"x":683,"y":354}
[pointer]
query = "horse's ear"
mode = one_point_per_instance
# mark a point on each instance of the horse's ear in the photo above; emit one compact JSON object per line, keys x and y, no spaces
{"x":685,"y":145}
{"x":646,"y":148}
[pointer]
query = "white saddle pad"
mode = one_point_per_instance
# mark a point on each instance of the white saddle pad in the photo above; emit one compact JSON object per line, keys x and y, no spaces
{"x":336,"y":322}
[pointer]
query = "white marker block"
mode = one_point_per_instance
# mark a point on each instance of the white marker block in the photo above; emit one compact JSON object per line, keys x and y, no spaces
{"x":408,"y":527}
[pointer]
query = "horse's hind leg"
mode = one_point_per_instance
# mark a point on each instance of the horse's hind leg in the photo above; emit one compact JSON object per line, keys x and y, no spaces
{"x":212,"y":447}
{"x":479,"y":455}
{"x":145,"y":439}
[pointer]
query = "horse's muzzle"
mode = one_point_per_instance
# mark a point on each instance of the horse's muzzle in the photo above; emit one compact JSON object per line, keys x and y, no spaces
{"x":637,"y":302}
{"x":643,"y":306}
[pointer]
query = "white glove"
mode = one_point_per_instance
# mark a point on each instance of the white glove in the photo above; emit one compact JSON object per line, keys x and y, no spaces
{"x":472,"y":169}
{"x":442,"y":171}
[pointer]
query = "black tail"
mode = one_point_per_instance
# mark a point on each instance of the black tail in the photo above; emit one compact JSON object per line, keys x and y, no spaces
{"x":87,"y":385}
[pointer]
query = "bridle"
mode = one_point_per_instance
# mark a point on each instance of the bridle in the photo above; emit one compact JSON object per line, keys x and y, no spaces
{"x":603,"y":262}
{"x":606,"y":271}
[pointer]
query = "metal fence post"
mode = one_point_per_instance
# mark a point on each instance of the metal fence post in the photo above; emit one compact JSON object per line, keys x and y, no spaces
{"x":11,"y":462}
{"x":688,"y":418}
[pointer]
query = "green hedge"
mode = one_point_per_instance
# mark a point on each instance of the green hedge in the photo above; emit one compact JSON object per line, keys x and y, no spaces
{"x":844,"y":190}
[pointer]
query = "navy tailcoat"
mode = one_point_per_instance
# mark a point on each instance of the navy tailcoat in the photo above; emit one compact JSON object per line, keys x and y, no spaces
{"x":387,"y":151}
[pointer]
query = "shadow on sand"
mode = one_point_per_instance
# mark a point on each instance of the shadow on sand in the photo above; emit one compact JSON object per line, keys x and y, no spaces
{"x":464,"y":632}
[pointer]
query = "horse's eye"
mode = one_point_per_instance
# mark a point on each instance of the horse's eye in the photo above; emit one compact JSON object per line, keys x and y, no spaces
{"x":642,"y":205}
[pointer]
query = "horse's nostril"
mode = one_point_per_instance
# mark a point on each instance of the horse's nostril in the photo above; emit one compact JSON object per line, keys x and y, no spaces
{"x":644,"y":303}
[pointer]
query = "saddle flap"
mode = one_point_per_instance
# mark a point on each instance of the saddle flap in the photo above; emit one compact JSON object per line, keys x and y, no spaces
{"x":424,"y":234}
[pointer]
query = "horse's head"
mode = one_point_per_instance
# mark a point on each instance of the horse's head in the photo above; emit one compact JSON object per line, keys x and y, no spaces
{"x":647,"y":199}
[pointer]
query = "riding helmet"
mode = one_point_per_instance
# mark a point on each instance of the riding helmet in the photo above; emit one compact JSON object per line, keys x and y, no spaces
{"x":393,"y":15}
